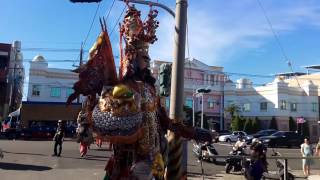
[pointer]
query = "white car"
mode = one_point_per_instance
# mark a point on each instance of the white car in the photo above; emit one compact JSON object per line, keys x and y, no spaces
{"x":234,"y":136}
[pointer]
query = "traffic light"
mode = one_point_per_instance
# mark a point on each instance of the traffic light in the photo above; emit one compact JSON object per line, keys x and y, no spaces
{"x":165,"y":79}
{"x":85,"y":1}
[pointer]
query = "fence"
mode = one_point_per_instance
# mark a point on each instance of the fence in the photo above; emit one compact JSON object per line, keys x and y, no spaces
{"x":285,"y":160}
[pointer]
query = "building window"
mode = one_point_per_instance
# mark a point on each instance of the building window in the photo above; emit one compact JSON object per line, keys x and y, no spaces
{"x":55,"y":92}
{"x":35,"y":90}
{"x":210,"y":104}
{"x":212,"y":79}
{"x":188,"y":103}
{"x":283,"y":105}
{"x":229,"y":103}
{"x":293,"y":107}
{"x":69,"y":91}
{"x":314,"y":107}
{"x":263,"y":106}
{"x":202,"y":78}
{"x":246,"y":107}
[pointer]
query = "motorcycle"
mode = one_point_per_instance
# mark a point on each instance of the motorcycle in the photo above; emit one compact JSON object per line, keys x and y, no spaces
{"x":279,"y":175}
{"x":205,"y":152}
{"x":236,"y":161}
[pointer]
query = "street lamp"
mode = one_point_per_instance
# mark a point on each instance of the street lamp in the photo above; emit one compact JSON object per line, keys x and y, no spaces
{"x":199,"y":92}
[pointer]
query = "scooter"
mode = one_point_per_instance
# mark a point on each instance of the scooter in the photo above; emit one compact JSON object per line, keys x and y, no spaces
{"x":205,"y":152}
{"x":279,"y":175}
{"x":236,"y":161}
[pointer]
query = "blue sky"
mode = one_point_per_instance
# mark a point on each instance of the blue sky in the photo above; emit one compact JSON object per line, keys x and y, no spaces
{"x":233,"y":34}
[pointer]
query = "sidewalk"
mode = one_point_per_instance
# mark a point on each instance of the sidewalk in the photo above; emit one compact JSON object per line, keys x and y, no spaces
{"x":315,"y":175}
{"x":54,"y":174}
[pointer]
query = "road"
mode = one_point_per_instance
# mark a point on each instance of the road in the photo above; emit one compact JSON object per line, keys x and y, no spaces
{"x":32,"y":159}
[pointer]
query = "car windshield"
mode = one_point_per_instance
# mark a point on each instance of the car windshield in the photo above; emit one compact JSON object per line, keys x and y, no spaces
{"x":277,"y":134}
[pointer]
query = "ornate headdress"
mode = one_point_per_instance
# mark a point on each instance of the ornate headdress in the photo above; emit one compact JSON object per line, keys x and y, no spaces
{"x":137,"y":36}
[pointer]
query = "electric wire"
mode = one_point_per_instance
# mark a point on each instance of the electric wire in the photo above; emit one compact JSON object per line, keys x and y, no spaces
{"x":107,"y":14}
{"x":277,"y":40}
{"x":124,"y":8}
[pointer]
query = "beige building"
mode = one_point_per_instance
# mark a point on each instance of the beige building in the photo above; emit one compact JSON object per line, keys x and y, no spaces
{"x":282,"y":98}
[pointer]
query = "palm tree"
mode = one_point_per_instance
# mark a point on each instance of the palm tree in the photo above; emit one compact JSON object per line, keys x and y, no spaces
{"x":233,"y":109}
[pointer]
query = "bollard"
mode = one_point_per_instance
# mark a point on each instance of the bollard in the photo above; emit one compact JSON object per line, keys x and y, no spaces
{"x":285,"y":170}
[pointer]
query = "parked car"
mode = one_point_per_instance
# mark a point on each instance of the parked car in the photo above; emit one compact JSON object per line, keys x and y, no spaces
{"x":261,"y":133}
{"x":220,"y":133}
{"x":282,"y":138}
{"x":25,"y":134}
{"x":42,"y":131}
{"x":224,"y":132}
{"x":234,"y":136}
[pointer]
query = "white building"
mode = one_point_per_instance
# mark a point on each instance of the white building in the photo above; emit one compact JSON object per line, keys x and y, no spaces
{"x":280,"y":99}
{"x":200,"y":75}
{"x":49,"y":84}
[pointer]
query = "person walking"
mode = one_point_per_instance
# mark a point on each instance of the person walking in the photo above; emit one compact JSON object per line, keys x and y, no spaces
{"x":58,"y":139}
{"x":306,"y":151}
{"x":318,"y":148}
{"x":99,"y":141}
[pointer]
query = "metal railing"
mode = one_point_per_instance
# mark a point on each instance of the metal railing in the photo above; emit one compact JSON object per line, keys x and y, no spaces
{"x":285,"y":158}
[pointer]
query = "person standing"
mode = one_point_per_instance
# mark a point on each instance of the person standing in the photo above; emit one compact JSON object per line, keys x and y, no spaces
{"x":99,"y":141}
{"x":318,"y":148}
{"x":58,"y":139}
{"x":306,"y":151}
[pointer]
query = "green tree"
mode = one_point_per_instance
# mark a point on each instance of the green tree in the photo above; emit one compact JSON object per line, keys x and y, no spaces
{"x":273,"y":123}
{"x":255,"y":125}
{"x":235,"y":123}
{"x":233,"y":109}
{"x":242,"y":121}
{"x":292,"y":124}
{"x":248,"y":126}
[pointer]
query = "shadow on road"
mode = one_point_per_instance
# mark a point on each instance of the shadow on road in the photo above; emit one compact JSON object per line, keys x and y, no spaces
{"x":207,"y":176}
{"x":32,"y":154}
{"x":101,"y":149}
{"x":23,"y":167}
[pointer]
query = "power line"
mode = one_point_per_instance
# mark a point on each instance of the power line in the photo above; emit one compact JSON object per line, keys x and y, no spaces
{"x":107,"y":14}
{"x":51,"y":49}
{"x":124,"y":8}
{"x":277,"y":40}
{"x":48,"y":42}
{"x":92,"y":22}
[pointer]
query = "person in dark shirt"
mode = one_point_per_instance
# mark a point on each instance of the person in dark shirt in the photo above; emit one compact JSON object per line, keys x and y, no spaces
{"x":258,"y":162}
{"x":58,"y":139}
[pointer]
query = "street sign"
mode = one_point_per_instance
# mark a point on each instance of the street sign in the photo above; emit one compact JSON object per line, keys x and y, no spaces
{"x":300,"y":120}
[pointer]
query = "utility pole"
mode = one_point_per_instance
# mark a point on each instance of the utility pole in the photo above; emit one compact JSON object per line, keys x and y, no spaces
{"x":202,"y":110}
{"x":174,"y":169}
{"x":222,"y":105}
{"x":80,"y":64}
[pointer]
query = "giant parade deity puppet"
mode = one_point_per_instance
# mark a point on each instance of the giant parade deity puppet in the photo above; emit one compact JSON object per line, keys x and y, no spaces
{"x":125,"y":108}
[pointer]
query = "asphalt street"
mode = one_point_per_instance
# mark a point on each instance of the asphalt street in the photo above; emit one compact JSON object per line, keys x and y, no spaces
{"x":33,"y":160}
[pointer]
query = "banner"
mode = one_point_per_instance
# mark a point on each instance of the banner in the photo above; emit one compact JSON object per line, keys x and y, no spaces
{"x":300,"y":120}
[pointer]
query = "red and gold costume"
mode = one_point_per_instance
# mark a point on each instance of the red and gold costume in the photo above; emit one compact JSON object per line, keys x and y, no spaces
{"x":128,"y":112}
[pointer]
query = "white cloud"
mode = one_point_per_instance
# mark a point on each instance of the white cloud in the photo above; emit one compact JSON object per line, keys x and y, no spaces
{"x":219,"y":31}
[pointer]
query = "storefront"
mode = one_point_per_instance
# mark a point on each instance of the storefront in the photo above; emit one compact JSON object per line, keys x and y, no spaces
{"x":48,"y":112}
